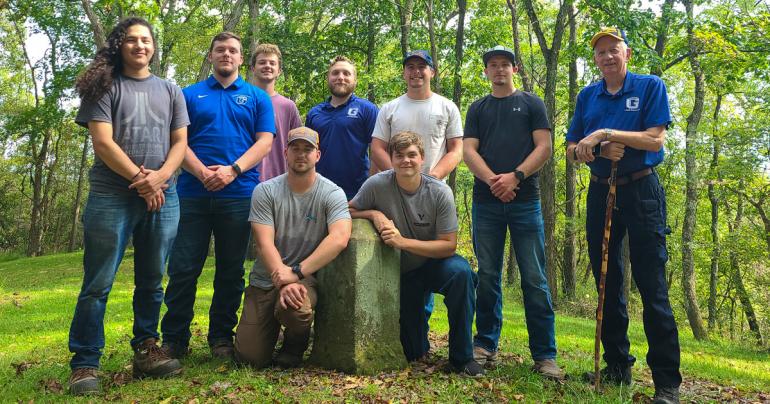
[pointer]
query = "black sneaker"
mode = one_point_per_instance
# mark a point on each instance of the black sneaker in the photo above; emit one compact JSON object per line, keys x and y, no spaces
{"x":612,"y":374}
{"x":84,"y":381}
{"x":174,"y":350}
{"x":150,"y":360}
{"x":470,"y":369}
{"x":666,"y":395}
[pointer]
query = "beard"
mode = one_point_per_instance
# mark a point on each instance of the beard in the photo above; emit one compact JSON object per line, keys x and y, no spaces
{"x":342,"y":89}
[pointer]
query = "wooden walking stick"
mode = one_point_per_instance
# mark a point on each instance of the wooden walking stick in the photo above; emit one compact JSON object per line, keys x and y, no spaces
{"x":603,"y":272}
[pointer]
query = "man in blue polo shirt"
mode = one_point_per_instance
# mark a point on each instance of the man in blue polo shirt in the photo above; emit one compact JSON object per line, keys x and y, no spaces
{"x":345,"y":124}
{"x":231,"y":130}
{"x":623,"y":118}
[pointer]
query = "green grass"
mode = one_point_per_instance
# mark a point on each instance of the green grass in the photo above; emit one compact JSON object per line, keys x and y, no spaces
{"x":38,"y":295}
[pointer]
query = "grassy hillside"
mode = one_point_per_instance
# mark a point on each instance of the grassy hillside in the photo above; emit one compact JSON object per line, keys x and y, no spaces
{"x":38,"y":295}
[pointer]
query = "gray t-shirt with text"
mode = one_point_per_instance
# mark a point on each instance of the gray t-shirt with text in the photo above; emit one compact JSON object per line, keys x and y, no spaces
{"x":143,"y":112}
{"x":421,"y":215}
{"x":300,"y":221}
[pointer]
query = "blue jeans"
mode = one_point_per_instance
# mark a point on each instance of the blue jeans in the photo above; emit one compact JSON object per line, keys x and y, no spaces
{"x":453,"y":278}
{"x":109,"y":222}
{"x":227,"y":219}
{"x":640,"y":212}
{"x":525,"y":222}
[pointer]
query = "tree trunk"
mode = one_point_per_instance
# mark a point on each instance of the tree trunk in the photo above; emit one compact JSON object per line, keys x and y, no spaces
{"x":371,"y":41}
{"x":737,"y":277}
{"x":457,"y":93}
{"x":253,"y":37}
{"x":662,"y":36}
{"x":511,"y":266}
{"x":231,"y":22}
{"x":548,"y":172}
{"x":714,"y":199}
{"x":570,"y":228}
{"x":691,"y":193}
{"x":405,"y":8}
{"x":526,"y":83}
{"x":78,"y":195}
{"x":432,"y":38}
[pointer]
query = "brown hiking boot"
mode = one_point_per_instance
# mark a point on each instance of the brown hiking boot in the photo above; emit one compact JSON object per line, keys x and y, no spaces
{"x":223,"y":350}
{"x":150,"y":360}
{"x":484,"y":358}
{"x":549,"y":369}
{"x":84,"y":381}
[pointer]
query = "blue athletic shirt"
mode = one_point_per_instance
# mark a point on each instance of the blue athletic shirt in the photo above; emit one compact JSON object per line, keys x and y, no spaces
{"x":642,"y":103}
{"x":224,"y":122}
{"x":345,"y":133}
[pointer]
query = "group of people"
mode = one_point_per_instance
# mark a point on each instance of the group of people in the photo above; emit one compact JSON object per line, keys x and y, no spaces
{"x":249,"y":168}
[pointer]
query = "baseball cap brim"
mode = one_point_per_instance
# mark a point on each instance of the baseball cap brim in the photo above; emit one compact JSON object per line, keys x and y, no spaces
{"x":599,"y":35}
{"x":498,"y":52}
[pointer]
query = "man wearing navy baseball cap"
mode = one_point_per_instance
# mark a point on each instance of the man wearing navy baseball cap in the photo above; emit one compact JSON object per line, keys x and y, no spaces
{"x":507,"y":141}
{"x":623,"y":118}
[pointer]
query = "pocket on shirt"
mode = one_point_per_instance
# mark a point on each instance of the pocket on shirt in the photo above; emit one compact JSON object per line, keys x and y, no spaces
{"x":438,"y":125}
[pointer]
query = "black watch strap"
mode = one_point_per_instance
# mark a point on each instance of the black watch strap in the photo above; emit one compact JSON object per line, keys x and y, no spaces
{"x":519,"y":175}
{"x":237,"y":169}
{"x":297,"y":269}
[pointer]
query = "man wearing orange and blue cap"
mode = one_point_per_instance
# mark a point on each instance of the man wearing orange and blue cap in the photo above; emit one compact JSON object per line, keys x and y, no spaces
{"x":623,"y":118}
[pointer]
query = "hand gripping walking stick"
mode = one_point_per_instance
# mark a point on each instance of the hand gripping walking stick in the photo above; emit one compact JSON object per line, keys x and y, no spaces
{"x":603,"y":272}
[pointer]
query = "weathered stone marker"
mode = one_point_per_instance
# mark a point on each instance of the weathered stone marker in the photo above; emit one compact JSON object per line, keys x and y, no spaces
{"x":356,"y":319}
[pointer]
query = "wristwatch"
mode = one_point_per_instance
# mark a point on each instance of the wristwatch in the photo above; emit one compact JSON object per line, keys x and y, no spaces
{"x":237,"y":169}
{"x":297,"y":269}
{"x":608,"y":133}
{"x":519,"y":175}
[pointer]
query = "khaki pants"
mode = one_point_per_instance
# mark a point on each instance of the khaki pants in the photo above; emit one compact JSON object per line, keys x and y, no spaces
{"x":261,"y":321}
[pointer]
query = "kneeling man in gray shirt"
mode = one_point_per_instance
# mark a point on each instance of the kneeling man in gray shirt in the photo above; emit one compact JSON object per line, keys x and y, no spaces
{"x":415,"y":213}
{"x":300,"y":222}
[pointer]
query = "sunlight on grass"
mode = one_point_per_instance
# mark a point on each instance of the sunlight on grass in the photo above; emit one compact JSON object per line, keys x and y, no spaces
{"x":38,"y":296}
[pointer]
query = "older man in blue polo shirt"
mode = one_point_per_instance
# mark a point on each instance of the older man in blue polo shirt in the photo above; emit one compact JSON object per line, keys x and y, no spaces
{"x":231,"y":130}
{"x":623,"y":118}
{"x":345,"y":124}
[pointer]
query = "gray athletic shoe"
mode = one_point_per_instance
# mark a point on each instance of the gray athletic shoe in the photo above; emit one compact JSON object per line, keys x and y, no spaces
{"x":84,"y":381}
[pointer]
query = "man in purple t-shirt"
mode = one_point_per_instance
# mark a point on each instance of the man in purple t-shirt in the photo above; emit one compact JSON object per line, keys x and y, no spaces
{"x":266,"y":65}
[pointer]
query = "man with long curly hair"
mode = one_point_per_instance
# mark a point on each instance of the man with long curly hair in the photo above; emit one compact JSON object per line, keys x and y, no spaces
{"x":138,"y":124}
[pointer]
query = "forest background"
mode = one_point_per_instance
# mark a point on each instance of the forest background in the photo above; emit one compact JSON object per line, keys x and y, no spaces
{"x":713,"y":55}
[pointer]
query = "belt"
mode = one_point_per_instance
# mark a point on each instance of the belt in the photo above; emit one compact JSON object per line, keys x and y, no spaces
{"x":624,"y":179}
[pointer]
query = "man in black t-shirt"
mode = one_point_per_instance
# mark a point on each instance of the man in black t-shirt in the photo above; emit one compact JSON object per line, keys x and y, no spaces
{"x":507,"y":140}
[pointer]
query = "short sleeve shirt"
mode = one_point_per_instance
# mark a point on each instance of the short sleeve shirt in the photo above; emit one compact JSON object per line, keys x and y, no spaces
{"x":641,"y":104}
{"x":300,"y":221}
{"x":504,"y":127}
{"x":143,"y":112}
{"x":224,"y":124}
{"x":286,"y":119}
{"x":422,"y":215}
{"x":435,"y":119}
{"x":345,"y":133}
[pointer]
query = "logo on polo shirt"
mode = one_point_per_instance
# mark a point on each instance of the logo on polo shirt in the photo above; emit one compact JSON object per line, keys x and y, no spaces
{"x":516,"y":109}
{"x":632,"y":104}
{"x":241,"y":99}
{"x":353,"y":112}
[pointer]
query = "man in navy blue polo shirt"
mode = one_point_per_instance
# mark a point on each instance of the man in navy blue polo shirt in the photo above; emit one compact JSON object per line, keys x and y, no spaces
{"x":623,"y":118}
{"x":231,"y":130}
{"x":345,"y":124}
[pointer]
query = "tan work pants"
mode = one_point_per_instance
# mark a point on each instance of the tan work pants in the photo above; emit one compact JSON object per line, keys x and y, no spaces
{"x":261,"y":321}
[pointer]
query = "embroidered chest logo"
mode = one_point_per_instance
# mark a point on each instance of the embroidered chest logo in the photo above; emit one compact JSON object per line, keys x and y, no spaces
{"x":632,"y":104}
{"x":353,"y":112}
{"x":310,"y":217}
{"x":516,"y":109}
{"x":241,"y":99}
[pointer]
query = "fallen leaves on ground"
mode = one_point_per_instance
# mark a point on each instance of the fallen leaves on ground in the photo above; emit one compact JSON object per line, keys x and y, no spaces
{"x":22,"y":367}
{"x":52,"y":386}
